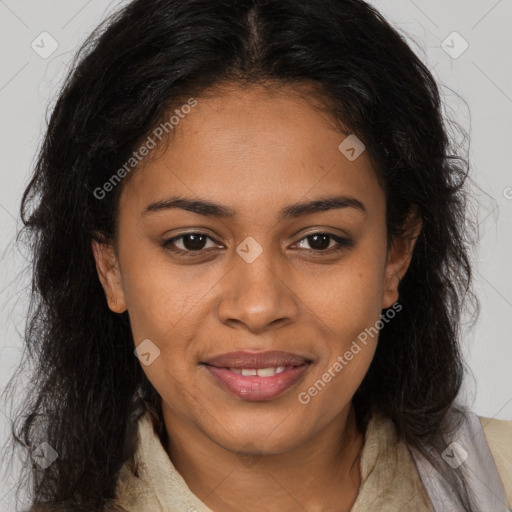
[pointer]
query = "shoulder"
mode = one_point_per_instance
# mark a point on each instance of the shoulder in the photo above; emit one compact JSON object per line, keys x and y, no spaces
{"x":499,"y":438}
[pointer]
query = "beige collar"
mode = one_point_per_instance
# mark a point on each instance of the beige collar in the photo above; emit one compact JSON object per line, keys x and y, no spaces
{"x":389,"y":478}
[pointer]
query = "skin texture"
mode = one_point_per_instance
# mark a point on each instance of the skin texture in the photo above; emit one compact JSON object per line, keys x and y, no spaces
{"x":256,"y":151}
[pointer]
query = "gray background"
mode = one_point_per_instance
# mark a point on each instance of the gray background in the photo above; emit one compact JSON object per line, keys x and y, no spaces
{"x":481,"y":75}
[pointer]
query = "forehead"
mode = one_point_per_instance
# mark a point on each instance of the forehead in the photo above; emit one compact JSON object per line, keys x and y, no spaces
{"x":257,"y":146}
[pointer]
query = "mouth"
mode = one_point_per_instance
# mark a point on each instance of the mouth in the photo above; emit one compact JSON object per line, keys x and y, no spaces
{"x":257,"y":376}
{"x":245,"y":359}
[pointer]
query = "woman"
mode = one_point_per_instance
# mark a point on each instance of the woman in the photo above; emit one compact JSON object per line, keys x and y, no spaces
{"x":251,"y":258}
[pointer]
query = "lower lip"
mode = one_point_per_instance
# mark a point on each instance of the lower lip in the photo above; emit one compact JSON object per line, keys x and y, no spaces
{"x":254,"y":388}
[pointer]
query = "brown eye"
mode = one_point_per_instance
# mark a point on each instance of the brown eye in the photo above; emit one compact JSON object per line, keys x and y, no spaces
{"x":190,"y":243}
{"x":321,"y":242}
{"x":194,"y":242}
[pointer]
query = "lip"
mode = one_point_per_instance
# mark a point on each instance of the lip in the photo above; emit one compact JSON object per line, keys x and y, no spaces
{"x":254,"y":388}
{"x":257,"y":360}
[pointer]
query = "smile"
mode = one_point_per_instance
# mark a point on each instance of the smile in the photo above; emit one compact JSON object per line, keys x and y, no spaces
{"x":256,"y":384}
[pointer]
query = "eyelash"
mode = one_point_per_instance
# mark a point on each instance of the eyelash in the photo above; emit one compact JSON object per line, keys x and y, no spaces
{"x":343,"y":243}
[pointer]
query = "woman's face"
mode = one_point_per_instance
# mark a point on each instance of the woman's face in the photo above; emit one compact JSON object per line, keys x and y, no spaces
{"x":258,"y":279}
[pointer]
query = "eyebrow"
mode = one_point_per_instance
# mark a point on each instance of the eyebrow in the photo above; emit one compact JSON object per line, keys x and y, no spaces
{"x":293,"y":211}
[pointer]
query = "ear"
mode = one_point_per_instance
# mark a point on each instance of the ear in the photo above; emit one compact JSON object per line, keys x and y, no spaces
{"x":109,"y":274}
{"x":399,"y":258}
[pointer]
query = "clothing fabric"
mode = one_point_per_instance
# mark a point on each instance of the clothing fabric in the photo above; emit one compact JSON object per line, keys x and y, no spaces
{"x":469,"y":446}
{"x":499,"y":438}
{"x":393,"y":478}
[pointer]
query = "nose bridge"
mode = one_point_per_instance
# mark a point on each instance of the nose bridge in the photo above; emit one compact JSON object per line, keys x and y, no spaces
{"x":256,"y":293}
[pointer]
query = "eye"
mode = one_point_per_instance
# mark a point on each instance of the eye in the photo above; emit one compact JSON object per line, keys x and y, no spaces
{"x":193,"y":244}
{"x":321,"y":242}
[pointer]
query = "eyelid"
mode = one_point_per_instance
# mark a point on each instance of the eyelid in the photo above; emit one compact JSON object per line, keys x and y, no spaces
{"x":169,"y":241}
{"x":341,"y":242}
{"x":324,"y":231}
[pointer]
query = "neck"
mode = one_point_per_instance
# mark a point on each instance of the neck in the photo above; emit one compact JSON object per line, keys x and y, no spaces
{"x":312,"y":476}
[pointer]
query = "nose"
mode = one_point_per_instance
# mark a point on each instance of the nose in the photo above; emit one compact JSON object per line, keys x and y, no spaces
{"x":256,"y":296}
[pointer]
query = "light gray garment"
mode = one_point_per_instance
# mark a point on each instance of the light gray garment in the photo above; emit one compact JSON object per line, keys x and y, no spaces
{"x":469,"y":449}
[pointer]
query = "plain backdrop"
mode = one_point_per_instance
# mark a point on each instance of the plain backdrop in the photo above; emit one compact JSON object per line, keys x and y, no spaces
{"x":467,"y":45}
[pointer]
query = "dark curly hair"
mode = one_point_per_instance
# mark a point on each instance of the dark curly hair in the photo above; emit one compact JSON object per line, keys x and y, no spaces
{"x":87,"y":387}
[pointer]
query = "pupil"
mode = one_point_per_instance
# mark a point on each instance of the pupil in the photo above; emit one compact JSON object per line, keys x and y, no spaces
{"x":197,"y":241}
{"x":324,"y":243}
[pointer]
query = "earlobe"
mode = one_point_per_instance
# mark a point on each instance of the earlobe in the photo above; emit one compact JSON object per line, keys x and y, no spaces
{"x":399,"y":259}
{"x":109,"y":275}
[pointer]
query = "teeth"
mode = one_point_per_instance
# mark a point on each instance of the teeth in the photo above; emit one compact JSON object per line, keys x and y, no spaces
{"x":260,"y":372}
{"x":266,"y":372}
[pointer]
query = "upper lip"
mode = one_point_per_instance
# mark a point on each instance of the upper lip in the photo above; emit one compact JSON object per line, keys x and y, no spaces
{"x":263,"y":359}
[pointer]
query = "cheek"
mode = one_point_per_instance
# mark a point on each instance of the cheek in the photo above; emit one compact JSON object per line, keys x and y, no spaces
{"x":347,"y":297}
{"x":348,"y":309}
{"x":160,"y":297}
